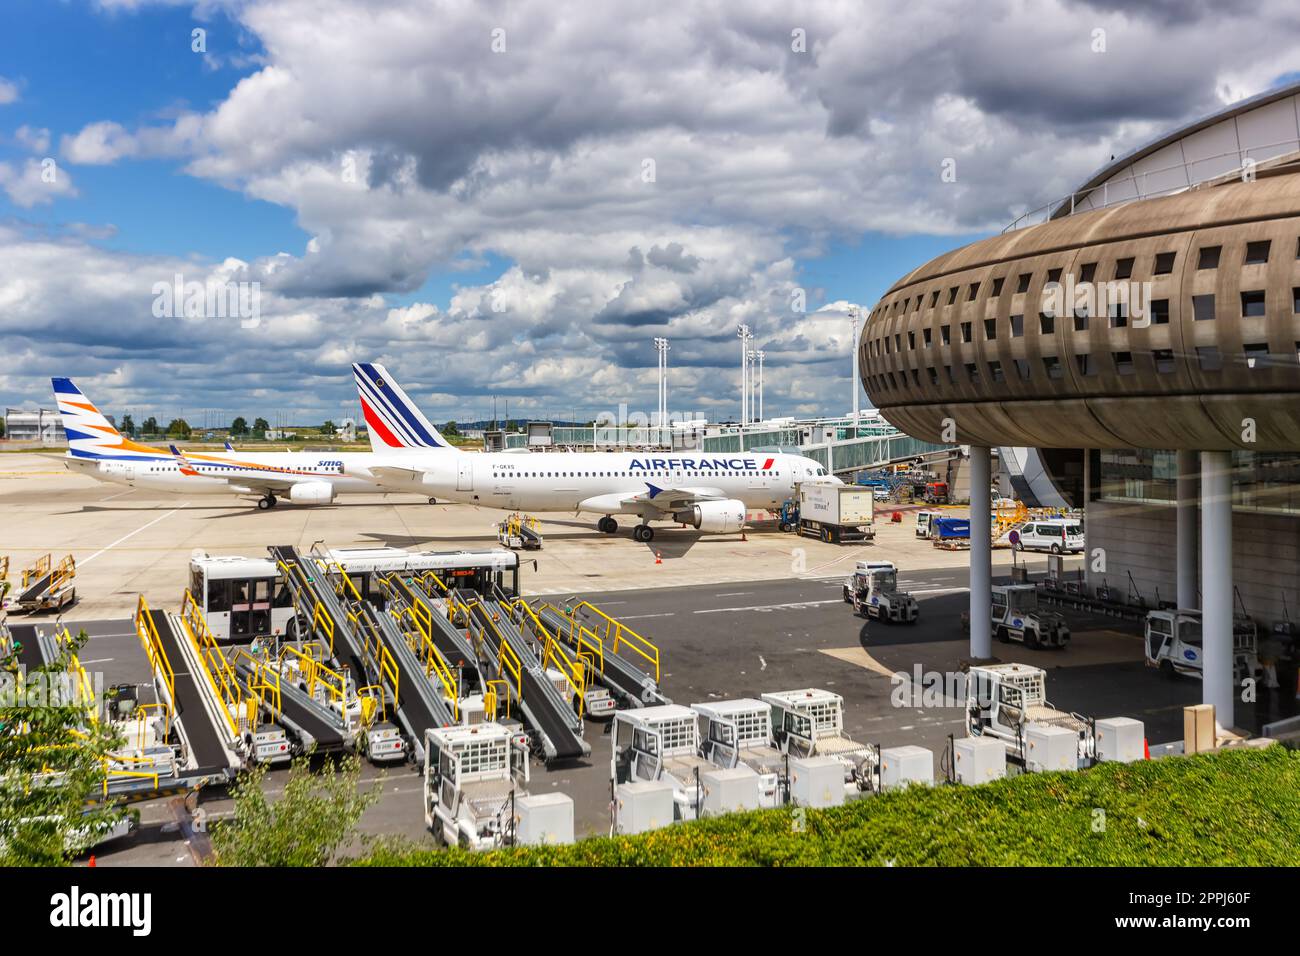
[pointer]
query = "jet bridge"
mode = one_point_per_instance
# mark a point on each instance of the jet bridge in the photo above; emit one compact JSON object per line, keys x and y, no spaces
{"x":556,"y":723}
{"x":622,"y":660}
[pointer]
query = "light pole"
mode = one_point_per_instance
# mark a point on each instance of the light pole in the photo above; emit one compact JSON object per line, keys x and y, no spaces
{"x":853,"y":347}
{"x":745,"y":336}
{"x":760,"y":355}
{"x":661,"y":347}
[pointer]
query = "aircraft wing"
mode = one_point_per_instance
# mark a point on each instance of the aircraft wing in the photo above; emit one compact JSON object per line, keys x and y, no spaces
{"x":665,"y":500}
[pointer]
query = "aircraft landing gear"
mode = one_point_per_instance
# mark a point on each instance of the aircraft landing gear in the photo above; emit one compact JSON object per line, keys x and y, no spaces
{"x":643,"y":533}
{"x":267,"y":502}
{"x":433,"y":501}
{"x":607,"y":525}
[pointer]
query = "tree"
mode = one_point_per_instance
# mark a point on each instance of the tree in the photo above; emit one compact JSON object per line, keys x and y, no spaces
{"x":450,"y":429}
{"x":260,"y":427}
{"x":313,"y":820}
{"x":328,"y":429}
{"x":150,"y":426}
{"x":239,"y":426}
{"x":178,"y":428}
{"x":128,"y":426}
{"x":53,"y":746}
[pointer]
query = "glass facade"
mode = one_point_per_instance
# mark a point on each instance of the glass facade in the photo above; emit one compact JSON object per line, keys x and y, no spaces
{"x":1261,"y":481}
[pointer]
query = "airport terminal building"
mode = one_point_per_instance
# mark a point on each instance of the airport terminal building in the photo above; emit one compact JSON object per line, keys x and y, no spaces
{"x":1143,"y":337}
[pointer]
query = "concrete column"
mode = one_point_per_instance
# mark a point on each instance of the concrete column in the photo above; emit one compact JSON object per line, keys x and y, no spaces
{"x":1216,"y":584}
{"x":1185,"y":537}
{"x":981,"y":555}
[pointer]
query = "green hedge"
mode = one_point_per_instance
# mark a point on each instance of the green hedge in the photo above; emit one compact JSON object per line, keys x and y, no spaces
{"x":1236,"y":808}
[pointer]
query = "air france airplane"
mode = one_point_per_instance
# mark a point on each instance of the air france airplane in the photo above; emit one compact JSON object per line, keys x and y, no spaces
{"x":710,"y":492}
{"x":97,"y":449}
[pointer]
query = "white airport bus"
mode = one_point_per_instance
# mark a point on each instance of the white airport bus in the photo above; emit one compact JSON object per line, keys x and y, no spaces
{"x":247,"y":598}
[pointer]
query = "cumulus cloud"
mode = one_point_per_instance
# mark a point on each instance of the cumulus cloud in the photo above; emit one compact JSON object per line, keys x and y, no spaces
{"x":8,"y":91}
{"x":35,"y":182}
{"x":641,"y":169}
{"x":34,"y":138}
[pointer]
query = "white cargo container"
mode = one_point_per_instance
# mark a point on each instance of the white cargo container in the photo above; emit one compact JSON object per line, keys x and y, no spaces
{"x":1050,"y":747}
{"x":1119,"y":739}
{"x":900,"y":766}
{"x":816,"y":782}
{"x":544,"y":818}
{"x":729,"y":789}
{"x":978,"y":760}
{"x":836,"y":513}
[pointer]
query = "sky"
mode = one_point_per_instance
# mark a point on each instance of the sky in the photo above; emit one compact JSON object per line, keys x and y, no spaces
{"x":513,"y":199}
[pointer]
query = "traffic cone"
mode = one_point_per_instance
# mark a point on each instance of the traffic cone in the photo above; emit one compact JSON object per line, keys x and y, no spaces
{"x":659,"y":558}
{"x":91,"y":861}
{"x":1146,"y":749}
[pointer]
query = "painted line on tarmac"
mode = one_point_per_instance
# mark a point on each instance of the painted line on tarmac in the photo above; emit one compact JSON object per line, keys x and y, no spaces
{"x":118,"y":495}
{"x":633,"y":617}
{"x":794,"y":605}
{"x":131,"y":534}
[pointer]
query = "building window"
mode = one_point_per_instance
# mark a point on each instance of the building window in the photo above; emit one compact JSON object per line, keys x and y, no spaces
{"x":1087,"y":272}
{"x":934,"y":298}
{"x":1257,"y":252}
{"x":933,"y":373}
{"x":965,"y":331}
{"x":995,"y":372}
{"x":945,"y":335}
{"x":1046,"y":323}
{"x":997,"y":286}
{"x":1295,"y":300}
{"x":1052,"y":365}
{"x":1252,"y":304}
{"x":1022,"y":283}
{"x":973,"y":373}
{"x":1164,"y":360}
{"x":1124,"y":363}
{"x":1124,"y":268}
{"x":911,"y":340}
{"x":1022,"y":368}
{"x":1165,"y":263}
{"x":1081,"y":322}
{"x":1209,"y":358}
{"x":887,"y":347}
{"x":1203,"y":308}
{"x":925,"y":336}
{"x":1017,"y":326}
{"x":916,"y":378}
{"x":917,"y":307}
{"x":1255,"y":351}
{"x":1084,"y":362}
{"x":1160,"y":311}
{"x":952,"y":376}
{"x":990,"y":329}
{"x":898,"y":342}
{"x":974,"y":291}
{"x":1118,"y":315}
{"x":1053,"y":275}
{"x":1209,"y":258}
{"x":952,"y":295}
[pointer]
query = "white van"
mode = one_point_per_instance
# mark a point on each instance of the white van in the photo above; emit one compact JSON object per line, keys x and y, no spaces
{"x":1052,"y":534}
{"x":923,"y":519}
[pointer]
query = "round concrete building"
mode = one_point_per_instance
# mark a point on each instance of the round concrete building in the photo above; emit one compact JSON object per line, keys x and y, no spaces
{"x":1149,"y":320}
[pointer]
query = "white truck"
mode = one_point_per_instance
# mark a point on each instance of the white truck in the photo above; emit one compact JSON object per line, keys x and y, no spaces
{"x":923,"y":519}
{"x":838,"y":514}
{"x":810,"y":723}
{"x":473,"y":777}
{"x":737,"y":733}
{"x":1173,"y":644}
{"x":872,"y":589}
{"x":1002,"y":700}
{"x":1017,"y":617}
{"x":660,"y":744}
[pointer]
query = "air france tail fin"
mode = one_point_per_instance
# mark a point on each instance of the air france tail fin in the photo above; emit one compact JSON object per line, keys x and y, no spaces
{"x":392,"y":419}
{"x":90,"y":434}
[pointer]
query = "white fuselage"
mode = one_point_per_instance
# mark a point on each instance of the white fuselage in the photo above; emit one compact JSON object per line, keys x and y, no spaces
{"x":233,"y":472}
{"x":593,"y":482}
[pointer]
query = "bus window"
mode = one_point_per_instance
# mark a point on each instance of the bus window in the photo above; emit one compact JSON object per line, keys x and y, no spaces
{"x":283,"y":594}
{"x":218,"y":596}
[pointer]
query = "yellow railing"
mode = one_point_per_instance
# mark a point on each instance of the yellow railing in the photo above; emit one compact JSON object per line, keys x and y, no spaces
{"x":238,"y":709}
{"x":421,"y":643}
{"x":264,"y":682}
{"x":588,"y":644}
{"x":373,"y":648}
{"x":439,"y":585}
{"x":157,"y":655}
{"x":575,"y":673}
{"x":64,"y":572}
{"x":320,"y":618}
{"x":316,"y":673}
{"x":137,"y":774}
{"x":492,"y":698}
{"x":39,"y":569}
{"x":4,"y":566}
{"x":620,"y":635}
{"x":372,"y":697}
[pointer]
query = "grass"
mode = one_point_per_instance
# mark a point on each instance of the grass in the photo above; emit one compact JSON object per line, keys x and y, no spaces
{"x":1237,"y":808}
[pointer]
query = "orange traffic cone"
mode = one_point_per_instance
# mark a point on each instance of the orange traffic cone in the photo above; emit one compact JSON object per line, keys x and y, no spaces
{"x":1146,"y":749}
{"x":659,"y":558}
{"x":91,"y":861}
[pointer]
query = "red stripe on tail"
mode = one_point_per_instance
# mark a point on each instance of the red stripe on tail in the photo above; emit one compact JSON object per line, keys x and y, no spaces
{"x":378,"y":427}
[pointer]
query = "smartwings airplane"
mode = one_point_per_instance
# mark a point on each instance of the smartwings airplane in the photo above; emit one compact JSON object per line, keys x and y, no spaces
{"x":97,"y":449}
{"x":710,"y":492}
